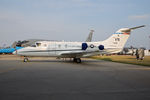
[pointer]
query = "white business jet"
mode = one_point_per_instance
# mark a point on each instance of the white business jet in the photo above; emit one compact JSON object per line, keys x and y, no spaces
{"x":77,"y":50}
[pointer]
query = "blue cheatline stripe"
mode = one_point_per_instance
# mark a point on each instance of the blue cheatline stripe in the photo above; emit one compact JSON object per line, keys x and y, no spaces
{"x":118,"y":33}
{"x":8,"y":50}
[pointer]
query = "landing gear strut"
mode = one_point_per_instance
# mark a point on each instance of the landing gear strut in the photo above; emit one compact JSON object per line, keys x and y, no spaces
{"x":77,"y":60}
{"x":25,"y":59}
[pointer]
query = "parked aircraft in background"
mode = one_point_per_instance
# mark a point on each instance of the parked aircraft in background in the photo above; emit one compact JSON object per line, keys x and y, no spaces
{"x":9,"y":50}
{"x":77,"y":50}
{"x":89,"y":38}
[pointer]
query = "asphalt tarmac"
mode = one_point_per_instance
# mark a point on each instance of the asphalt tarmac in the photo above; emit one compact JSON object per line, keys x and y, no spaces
{"x":59,"y":80}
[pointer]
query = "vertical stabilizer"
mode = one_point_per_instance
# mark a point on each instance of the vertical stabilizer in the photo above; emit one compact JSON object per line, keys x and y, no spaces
{"x":119,"y":38}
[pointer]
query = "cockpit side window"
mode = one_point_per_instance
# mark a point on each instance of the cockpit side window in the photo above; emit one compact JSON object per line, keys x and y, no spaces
{"x":38,"y":44}
{"x":45,"y":45}
{"x":33,"y":45}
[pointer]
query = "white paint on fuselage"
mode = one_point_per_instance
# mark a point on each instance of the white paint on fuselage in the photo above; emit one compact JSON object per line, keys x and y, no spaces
{"x":55,"y":49}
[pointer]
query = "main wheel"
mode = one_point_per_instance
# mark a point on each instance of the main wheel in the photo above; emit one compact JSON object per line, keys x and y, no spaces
{"x":25,"y":60}
{"x":74,"y":59}
{"x":77,"y":60}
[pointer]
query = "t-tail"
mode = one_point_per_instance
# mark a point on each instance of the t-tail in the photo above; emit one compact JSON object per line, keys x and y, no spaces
{"x":117,"y":41}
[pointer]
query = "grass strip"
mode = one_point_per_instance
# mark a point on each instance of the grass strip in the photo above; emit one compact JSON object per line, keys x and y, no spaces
{"x":125,"y":59}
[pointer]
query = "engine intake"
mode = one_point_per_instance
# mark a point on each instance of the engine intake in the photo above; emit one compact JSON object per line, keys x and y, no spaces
{"x":101,"y":47}
{"x":84,"y":46}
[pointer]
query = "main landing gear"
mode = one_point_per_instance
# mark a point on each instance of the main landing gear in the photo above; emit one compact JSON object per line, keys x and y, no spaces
{"x":77,"y":60}
{"x":25,"y":59}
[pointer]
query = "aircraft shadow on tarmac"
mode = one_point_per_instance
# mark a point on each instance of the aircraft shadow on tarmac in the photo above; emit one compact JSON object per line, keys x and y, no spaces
{"x":91,"y":63}
{"x":65,"y":61}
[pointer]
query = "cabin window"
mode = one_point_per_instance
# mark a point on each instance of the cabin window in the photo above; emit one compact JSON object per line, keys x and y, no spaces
{"x":33,"y":45}
{"x":38,"y":44}
{"x":65,"y":45}
{"x":59,"y":45}
{"x":45,"y":45}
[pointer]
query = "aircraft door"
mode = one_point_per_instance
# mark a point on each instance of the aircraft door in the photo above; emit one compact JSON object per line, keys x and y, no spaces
{"x":41,"y":49}
{"x":52,"y":49}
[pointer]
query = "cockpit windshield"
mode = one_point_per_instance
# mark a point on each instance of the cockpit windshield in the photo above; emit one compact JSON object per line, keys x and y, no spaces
{"x":33,"y":45}
{"x":38,"y":44}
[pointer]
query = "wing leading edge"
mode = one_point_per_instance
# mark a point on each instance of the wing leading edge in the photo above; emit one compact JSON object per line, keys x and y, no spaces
{"x":79,"y":54}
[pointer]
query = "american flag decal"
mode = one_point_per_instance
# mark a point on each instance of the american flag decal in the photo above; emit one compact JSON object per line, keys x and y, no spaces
{"x":126,"y":33}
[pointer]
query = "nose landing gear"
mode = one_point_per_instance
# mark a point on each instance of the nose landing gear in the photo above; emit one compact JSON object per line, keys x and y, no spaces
{"x":25,"y":59}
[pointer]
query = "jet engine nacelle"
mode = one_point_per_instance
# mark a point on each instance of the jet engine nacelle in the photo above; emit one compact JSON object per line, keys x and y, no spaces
{"x":101,"y":47}
{"x":84,"y":46}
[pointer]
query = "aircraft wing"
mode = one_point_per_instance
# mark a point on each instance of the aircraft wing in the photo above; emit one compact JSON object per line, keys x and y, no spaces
{"x":78,"y":54}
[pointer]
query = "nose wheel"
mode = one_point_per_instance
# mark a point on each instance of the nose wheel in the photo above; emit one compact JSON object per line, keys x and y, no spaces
{"x":77,"y":60}
{"x":25,"y":59}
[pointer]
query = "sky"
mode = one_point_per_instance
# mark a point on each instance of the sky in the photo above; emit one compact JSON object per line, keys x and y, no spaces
{"x":72,"y":20}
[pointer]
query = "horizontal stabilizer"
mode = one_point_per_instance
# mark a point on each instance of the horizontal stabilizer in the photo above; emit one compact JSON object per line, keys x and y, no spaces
{"x":137,"y":27}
